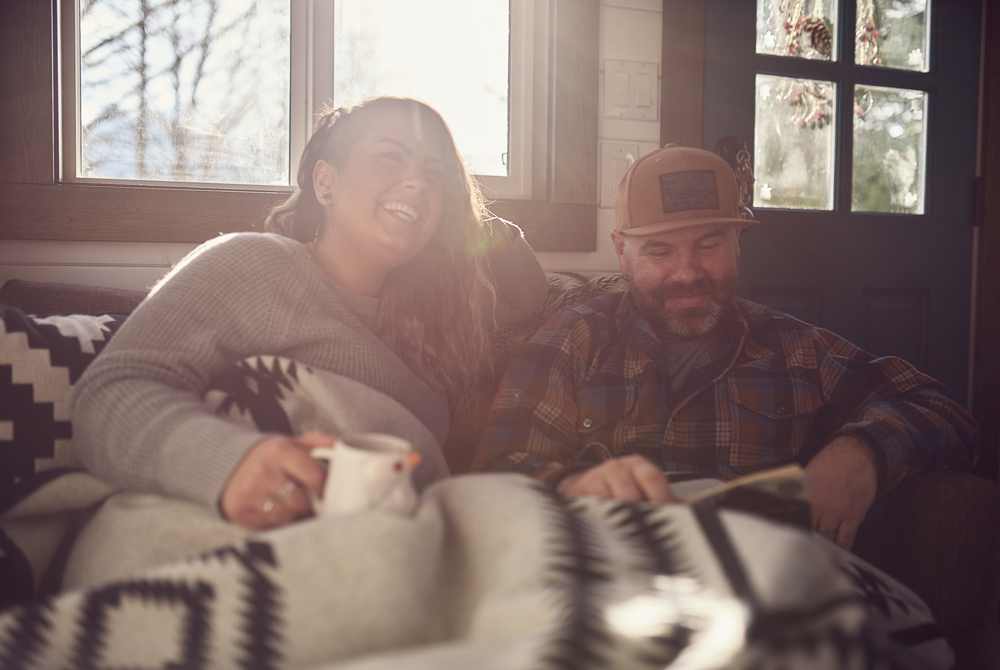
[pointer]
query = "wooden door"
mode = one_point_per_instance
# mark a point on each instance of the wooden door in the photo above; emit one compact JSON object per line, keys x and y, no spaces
{"x":894,"y":283}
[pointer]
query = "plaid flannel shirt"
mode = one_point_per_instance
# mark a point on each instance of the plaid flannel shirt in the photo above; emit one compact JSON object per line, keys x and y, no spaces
{"x":770,"y":390}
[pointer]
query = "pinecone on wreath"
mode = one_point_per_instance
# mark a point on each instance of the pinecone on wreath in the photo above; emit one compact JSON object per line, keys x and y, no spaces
{"x":819,"y":35}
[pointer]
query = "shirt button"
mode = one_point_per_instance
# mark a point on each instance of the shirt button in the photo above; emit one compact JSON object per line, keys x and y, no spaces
{"x":587,"y":423}
{"x":781,"y":409}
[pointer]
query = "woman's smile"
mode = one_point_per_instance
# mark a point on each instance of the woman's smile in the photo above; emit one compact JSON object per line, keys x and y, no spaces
{"x":401,"y":210}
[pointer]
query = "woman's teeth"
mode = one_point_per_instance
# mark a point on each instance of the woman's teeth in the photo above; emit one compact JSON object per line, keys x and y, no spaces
{"x":401,"y":210}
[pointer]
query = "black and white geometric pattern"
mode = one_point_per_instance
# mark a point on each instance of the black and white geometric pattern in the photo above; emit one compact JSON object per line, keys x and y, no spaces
{"x":896,"y":614}
{"x":487,"y":565}
{"x":254,"y":388}
{"x":40,"y":360}
{"x":184,"y":613}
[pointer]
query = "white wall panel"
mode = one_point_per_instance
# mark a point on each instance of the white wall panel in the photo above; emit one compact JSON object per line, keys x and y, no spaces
{"x":631,"y":30}
{"x":631,"y":34}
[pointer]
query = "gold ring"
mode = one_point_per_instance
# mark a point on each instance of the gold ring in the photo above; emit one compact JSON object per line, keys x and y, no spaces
{"x":268,"y":506}
{"x":286,"y":490}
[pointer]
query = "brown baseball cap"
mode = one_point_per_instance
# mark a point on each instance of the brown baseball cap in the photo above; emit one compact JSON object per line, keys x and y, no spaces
{"x":675,"y":188}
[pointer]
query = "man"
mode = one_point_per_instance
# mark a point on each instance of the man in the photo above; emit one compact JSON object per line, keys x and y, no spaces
{"x":678,"y":375}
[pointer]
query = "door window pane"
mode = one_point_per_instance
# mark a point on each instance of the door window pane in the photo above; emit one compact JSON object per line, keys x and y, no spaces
{"x":185,"y":90}
{"x":793,"y":143}
{"x":889,"y":142}
{"x":892,"y":33}
{"x":453,"y":54}
{"x":797,"y":28}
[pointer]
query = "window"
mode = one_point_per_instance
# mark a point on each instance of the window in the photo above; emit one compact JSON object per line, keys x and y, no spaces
{"x":799,"y":89}
{"x":553,"y":200}
{"x":223,"y":93}
{"x":180,"y":91}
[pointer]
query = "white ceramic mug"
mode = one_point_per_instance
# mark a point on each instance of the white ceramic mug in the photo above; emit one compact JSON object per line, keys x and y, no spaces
{"x":367,"y":471}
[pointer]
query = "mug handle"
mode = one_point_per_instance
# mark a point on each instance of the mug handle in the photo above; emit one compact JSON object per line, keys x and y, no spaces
{"x":325,"y":456}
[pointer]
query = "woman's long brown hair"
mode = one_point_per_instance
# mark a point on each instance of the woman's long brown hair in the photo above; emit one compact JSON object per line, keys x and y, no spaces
{"x":433,"y":309}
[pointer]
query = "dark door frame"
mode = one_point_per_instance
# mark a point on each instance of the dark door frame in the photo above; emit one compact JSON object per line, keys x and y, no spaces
{"x":985,"y":368}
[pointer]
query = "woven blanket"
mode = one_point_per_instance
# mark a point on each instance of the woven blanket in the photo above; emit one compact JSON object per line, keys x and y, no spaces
{"x":491,"y":571}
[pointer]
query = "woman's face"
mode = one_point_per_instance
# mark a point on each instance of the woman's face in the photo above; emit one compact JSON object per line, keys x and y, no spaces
{"x":388,"y":196}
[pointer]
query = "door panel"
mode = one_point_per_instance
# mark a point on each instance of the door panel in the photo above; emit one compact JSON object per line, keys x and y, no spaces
{"x":802,"y":302}
{"x":894,"y":284}
{"x":897,"y":323}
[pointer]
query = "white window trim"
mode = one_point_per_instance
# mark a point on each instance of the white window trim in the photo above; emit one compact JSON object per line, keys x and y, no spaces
{"x":68,"y":78}
{"x":521,"y":134}
{"x":311,"y":87}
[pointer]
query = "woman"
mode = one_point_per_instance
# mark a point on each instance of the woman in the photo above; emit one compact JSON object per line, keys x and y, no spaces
{"x":379,"y":268}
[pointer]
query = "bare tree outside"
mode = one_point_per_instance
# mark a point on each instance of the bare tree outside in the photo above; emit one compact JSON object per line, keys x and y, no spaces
{"x":198,"y":90}
{"x":185,"y":90}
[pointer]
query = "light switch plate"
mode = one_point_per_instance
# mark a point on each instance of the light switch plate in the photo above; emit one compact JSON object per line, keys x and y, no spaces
{"x":615,"y":160}
{"x":631,"y":90}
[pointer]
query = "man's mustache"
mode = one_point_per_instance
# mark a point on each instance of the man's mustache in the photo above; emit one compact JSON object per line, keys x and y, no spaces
{"x":682,"y":290}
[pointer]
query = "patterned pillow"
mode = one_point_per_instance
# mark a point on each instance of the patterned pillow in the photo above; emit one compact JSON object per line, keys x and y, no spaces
{"x":40,"y":360}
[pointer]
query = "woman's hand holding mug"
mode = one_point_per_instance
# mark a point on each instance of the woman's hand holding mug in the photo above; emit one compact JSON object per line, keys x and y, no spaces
{"x":271,"y":485}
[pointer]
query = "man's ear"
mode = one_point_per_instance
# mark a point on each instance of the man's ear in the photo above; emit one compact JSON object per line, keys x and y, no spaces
{"x":619,"y":241}
{"x":325,"y":182}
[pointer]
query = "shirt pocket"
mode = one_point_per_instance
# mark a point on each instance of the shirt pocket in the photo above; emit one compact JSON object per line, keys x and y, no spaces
{"x":771,"y":419}
{"x":624,"y":417}
{"x":605,"y":414}
{"x":596,"y":427}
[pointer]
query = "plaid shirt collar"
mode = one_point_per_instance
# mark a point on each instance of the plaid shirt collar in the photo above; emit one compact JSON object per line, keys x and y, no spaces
{"x":732,"y":344}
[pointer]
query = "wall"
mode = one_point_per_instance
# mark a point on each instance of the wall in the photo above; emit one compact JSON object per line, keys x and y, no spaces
{"x":630,"y":30}
{"x":132,"y":265}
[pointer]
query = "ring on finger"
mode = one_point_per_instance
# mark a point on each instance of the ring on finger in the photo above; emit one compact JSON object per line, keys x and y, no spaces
{"x":286,"y":490}
{"x":268,"y":506}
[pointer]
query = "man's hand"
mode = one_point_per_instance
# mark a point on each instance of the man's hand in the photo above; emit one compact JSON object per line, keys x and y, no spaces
{"x":629,"y":479}
{"x":268,"y":487}
{"x":844,"y":482}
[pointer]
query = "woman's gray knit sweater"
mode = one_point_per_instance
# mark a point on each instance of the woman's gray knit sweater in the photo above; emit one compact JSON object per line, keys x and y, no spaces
{"x":138,"y":418}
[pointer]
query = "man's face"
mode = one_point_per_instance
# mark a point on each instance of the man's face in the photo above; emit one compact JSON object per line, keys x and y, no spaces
{"x":682,"y":280}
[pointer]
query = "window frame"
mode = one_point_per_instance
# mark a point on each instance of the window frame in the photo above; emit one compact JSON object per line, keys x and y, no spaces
{"x":311,"y":87}
{"x":561,"y":214}
{"x":846,"y":74}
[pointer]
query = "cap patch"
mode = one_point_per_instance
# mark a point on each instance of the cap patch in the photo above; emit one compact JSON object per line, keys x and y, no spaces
{"x":687,"y":190}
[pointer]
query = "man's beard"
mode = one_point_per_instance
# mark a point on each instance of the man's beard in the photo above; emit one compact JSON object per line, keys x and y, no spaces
{"x":686,"y":323}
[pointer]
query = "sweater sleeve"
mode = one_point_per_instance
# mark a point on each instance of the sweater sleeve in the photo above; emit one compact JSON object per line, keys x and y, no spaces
{"x":519,"y":280}
{"x":138,"y":417}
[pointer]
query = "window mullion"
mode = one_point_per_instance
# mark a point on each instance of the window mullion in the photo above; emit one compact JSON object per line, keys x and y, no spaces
{"x":68,"y":69}
{"x":844,"y":136}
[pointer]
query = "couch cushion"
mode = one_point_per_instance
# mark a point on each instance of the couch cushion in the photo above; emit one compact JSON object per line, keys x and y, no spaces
{"x":36,"y":297}
{"x":40,"y":360}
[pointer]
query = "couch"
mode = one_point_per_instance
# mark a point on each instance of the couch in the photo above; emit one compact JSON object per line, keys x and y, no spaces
{"x":938,"y":532}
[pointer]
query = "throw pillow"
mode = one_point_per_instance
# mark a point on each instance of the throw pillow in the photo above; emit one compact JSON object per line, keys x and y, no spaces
{"x":40,"y":360}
